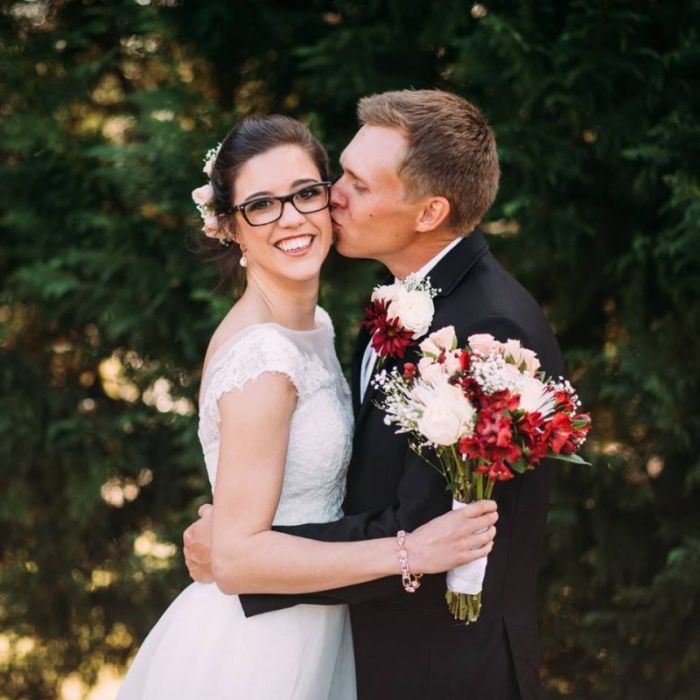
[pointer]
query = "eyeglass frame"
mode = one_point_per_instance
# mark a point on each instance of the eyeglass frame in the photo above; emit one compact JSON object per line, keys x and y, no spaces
{"x":283,"y":199}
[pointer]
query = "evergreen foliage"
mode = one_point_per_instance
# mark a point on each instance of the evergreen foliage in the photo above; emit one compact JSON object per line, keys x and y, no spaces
{"x":106,"y":111}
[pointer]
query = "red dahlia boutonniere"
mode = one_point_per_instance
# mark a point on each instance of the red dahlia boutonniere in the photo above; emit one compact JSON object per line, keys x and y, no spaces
{"x":399,"y":314}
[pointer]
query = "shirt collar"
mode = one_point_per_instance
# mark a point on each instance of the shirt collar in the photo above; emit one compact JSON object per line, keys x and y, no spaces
{"x":423,"y":271}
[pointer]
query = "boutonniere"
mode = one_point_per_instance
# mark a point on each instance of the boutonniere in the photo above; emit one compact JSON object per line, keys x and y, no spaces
{"x":399,"y":314}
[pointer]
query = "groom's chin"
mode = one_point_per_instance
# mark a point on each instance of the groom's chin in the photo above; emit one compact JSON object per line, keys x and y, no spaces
{"x":343,"y":249}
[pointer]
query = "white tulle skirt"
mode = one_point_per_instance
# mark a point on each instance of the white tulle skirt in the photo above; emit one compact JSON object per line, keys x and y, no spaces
{"x":205,"y":647}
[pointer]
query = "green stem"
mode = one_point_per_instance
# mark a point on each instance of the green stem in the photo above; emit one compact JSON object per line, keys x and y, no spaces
{"x":479,"y":478}
{"x":463,"y":489}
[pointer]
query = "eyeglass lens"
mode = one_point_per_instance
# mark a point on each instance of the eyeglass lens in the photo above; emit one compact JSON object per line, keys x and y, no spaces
{"x":265,"y":210}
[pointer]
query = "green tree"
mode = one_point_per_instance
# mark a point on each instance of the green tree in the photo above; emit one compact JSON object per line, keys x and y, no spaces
{"x":107,"y":108}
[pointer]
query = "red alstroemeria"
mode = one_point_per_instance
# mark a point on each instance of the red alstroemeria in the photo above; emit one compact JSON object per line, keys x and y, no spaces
{"x":564,"y":401}
{"x":497,"y":471}
{"x":559,"y":432}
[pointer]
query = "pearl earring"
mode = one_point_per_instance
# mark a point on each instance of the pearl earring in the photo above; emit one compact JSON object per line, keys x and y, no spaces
{"x":243,"y":262}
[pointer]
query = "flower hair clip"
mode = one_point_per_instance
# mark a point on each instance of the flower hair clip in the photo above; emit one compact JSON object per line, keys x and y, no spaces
{"x":203,"y":198}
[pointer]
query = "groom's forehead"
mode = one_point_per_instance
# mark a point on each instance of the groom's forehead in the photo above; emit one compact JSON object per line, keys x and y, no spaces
{"x":374,"y":147}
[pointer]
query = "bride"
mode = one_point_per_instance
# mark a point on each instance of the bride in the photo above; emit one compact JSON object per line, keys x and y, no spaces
{"x":276,"y":431}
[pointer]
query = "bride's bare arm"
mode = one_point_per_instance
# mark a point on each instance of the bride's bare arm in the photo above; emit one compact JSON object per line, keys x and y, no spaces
{"x":248,"y":557}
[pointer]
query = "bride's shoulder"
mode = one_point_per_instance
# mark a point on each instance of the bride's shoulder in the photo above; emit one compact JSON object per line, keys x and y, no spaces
{"x":323,"y":319}
{"x":255,"y":339}
{"x":248,"y":353}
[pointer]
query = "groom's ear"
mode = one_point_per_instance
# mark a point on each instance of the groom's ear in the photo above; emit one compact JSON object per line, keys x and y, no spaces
{"x":433,"y":214}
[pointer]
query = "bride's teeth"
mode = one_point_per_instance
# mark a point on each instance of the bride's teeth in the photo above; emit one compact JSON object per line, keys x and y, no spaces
{"x":295,"y":244}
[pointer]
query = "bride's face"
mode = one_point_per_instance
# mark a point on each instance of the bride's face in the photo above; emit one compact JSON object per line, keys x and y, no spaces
{"x":295,"y":246}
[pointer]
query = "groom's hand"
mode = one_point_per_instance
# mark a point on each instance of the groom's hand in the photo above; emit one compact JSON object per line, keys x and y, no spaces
{"x":197,"y":549}
{"x":453,"y":539}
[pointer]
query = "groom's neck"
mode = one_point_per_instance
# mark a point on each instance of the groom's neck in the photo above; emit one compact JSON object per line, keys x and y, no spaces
{"x":418,"y":253}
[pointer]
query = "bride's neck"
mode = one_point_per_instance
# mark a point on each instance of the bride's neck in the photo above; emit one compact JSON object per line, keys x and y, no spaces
{"x":288,"y":302}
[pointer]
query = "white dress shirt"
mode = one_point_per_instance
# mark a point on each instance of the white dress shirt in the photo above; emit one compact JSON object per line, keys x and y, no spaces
{"x":370,"y":356}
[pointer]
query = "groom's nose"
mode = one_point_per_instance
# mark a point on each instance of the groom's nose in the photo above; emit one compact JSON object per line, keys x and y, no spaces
{"x":338,"y":197}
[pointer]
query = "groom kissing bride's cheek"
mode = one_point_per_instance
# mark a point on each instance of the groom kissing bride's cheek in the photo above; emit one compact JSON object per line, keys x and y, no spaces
{"x":416,"y":180}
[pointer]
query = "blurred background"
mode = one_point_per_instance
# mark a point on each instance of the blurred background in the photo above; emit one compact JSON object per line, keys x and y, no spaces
{"x":106,"y":111}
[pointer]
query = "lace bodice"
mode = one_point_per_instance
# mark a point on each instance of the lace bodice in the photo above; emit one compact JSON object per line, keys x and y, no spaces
{"x":320,"y":438}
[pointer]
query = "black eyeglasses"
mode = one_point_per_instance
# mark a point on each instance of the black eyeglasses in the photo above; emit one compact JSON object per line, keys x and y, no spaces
{"x":267,"y":210}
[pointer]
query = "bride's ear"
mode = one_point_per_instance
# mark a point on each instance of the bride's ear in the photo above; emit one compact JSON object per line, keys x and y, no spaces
{"x":229,"y":227}
{"x":433,"y":214}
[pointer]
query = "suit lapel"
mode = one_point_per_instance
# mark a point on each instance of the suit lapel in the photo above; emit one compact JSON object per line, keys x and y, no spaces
{"x":452,"y":269}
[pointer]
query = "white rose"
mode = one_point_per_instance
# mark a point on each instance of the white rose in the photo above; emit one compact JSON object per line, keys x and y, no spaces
{"x":414,"y":310}
{"x":203,"y":195}
{"x":447,"y":417}
{"x":386,"y":292}
{"x":443,"y":339}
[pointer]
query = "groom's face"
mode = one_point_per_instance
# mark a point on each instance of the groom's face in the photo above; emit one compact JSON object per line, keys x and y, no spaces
{"x":371,"y":215}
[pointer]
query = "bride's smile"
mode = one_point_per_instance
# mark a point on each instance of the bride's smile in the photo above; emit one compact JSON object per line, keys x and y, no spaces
{"x":296,"y":245}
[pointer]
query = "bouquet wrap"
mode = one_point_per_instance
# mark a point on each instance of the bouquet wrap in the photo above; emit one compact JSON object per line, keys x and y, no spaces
{"x":468,"y":578}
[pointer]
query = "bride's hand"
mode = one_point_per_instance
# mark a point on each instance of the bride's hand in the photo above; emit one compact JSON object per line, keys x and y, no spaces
{"x":197,"y":549}
{"x":455,"y":538}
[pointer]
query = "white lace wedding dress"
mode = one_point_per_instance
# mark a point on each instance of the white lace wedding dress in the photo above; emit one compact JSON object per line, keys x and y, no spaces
{"x":203,"y":646}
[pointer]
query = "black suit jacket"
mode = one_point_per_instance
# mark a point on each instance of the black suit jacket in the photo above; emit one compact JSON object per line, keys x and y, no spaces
{"x":407,"y":645}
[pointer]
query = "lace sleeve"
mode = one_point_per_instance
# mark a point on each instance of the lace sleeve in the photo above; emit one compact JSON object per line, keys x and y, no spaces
{"x":324,"y":319}
{"x":259,"y":351}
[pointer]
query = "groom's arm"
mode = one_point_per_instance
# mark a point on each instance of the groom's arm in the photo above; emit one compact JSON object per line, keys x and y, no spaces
{"x":421,"y":496}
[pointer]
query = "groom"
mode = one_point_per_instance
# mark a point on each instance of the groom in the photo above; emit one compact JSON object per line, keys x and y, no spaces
{"x":418,"y":177}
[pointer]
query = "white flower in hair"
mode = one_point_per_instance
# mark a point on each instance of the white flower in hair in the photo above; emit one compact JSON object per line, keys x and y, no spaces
{"x":203,"y":197}
{"x":210,"y":159}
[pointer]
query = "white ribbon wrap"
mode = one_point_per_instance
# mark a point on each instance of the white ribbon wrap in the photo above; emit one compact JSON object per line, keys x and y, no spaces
{"x":467,"y":578}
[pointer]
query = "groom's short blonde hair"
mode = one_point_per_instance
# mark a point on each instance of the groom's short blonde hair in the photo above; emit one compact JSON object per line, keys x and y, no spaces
{"x":451,"y":149}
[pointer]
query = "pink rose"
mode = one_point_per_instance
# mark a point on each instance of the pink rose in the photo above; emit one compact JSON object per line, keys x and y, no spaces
{"x":531,"y":361}
{"x":211,"y":226}
{"x":203,"y":196}
{"x":520,"y":356}
{"x":451,"y":363}
{"x":443,"y":339}
{"x":429,"y":371}
{"x":484,"y":344}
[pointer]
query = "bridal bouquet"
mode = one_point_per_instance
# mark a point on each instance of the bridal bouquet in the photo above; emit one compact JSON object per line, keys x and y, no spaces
{"x":487,"y":413}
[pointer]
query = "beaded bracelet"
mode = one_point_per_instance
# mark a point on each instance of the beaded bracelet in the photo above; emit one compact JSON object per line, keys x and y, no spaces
{"x":410,"y":582}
